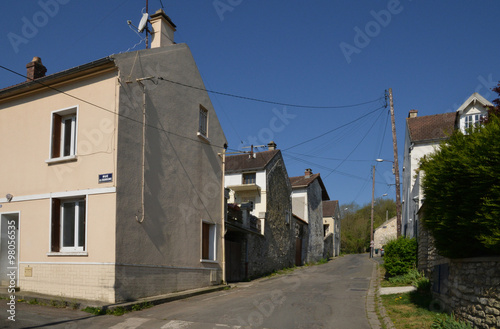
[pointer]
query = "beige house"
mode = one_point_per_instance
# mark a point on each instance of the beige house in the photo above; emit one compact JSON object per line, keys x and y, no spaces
{"x":111,"y":184}
{"x":383,"y":234}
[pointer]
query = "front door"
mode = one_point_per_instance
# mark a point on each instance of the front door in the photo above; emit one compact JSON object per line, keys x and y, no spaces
{"x":9,"y":249}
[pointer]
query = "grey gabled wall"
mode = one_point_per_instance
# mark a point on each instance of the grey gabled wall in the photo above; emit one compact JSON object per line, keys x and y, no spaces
{"x":182,"y":175}
{"x":315,"y":246}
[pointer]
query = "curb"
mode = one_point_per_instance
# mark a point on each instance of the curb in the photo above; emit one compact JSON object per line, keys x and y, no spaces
{"x":80,"y":304}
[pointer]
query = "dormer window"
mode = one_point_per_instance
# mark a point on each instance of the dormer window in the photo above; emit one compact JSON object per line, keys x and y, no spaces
{"x":249,"y":178}
{"x":472,"y":120}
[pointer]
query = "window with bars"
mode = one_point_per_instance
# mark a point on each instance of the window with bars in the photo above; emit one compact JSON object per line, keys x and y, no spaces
{"x":203,"y":122}
{"x":249,"y":178}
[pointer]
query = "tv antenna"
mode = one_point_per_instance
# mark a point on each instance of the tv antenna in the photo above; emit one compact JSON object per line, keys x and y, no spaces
{"x":143,"y":23}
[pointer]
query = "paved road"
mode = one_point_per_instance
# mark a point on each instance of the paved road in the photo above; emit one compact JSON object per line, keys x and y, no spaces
{"x":332,"y":295}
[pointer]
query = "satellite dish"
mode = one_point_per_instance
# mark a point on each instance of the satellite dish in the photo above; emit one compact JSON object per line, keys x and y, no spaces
{"x":143,"y":22}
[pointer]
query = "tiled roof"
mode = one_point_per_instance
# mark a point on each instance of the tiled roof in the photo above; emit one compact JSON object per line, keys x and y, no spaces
{"x":245,"y":162}
{"x":329,"y":208}
{"x":431,"y":127}
{"x":302,"y":181}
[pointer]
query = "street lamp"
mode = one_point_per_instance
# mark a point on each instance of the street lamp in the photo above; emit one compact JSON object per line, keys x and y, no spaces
{"x":398,"y":193}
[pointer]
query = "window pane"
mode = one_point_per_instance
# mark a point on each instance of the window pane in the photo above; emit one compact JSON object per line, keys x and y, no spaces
{"x":69,"y":224}
{"x":81,"y":224}
{"x":205,"y":246}
{"x":67,"y":137}
{"x":203,"y":121}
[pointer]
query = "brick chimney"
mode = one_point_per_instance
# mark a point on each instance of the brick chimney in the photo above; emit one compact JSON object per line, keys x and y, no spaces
{"x":413,"y":114}
{"x":163,"y":29}
{"x":308,"y":173}
{"x":35,"y":69}
{"x":271,"y":146}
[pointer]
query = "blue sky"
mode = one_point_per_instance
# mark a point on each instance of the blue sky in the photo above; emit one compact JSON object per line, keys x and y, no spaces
{"x":433,"y":55}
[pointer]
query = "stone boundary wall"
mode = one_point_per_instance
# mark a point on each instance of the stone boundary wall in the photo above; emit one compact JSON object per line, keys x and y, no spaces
{"x":328,"y":250}
{"x":473,"y":290}
{"x":470,"y":288}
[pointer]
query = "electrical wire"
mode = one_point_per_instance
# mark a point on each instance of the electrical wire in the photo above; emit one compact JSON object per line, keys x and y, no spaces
{"x":268,"y":101}
{"x":108,"y":110}
{"x":332,"y":130}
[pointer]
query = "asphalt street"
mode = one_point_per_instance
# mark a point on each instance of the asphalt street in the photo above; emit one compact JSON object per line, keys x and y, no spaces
{"x":331,"y":295}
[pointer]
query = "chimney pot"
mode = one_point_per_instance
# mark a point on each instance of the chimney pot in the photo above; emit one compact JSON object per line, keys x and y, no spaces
{"x":308,"y":173}
{"x":413,"y":114}
{"x":35,"y":69}
{"x":271,"y":146}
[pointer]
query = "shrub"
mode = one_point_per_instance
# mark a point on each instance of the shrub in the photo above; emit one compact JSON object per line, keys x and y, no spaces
{"x":462,"y":193}
{"x":400,"y":256}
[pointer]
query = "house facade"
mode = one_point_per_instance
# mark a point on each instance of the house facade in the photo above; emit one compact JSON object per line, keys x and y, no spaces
{"x":383,"y":234}
{"x":308,"y":193}
{"x":263,"y":239}
{"x":114,"y":179}
{"x":331,"y":228}
{"x":423,"y":136}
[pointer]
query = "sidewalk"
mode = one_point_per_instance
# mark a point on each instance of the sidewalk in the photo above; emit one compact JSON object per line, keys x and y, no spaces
{"x":59,"y":301}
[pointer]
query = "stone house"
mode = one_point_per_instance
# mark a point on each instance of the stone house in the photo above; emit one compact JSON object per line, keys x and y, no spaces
{"x":383,"y":234}
{"x":308,"y":193}
{"x":114,"y":181}
{"x":331,"y":228}
{"x":260,"y":235}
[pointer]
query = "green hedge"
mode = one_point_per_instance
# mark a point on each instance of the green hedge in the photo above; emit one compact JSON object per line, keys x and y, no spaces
{"x":400,"y":256}
{"x":462,"y":193}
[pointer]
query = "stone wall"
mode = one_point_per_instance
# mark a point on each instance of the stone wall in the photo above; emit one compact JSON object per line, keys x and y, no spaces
{"x":470,"y":288}
{"x":328,"y":250}
{"x":276,"y":249}
{"x":472,"y":291}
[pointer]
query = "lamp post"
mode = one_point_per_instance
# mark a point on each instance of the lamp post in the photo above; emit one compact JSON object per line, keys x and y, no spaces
{"x":398,"y":194}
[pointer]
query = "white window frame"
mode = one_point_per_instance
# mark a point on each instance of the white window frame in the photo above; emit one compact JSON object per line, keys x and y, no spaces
{"x":212,"y":242}
{"x":70,"y":113}
{"x":56,"y":244}
{"x":472,"y":120}
{"x":76,"y":222}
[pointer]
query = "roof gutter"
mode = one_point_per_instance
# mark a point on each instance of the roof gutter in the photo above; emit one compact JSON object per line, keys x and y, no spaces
{"x":63,"y":76}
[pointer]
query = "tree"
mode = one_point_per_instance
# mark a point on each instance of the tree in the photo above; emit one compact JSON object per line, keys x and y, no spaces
{"x":355,"y":227}
{"x":462,"y":192}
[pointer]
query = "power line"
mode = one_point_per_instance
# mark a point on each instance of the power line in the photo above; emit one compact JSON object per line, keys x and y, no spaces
{"x":268,"y":101}
{"x":108,"y":110}
{"x":334,"y":129}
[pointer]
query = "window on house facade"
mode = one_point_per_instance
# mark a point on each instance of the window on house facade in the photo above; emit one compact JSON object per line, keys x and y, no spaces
{"x":208,"y":241}
{"x":203,"y":122}
{"x":63,"y":138}
{"x":473,"y":120}
{"x":68,"y":229}
{"x":249,"y":178}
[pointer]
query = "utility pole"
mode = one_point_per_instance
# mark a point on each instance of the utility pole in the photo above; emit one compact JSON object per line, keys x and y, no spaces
{"x":371,"y":221}
{"x":396,"y":166}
